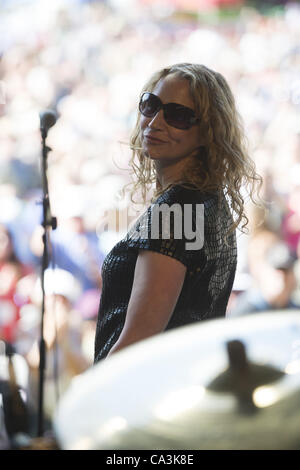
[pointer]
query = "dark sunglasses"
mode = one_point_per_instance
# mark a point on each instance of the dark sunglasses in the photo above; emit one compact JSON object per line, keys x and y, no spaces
{"x":176,"y":115}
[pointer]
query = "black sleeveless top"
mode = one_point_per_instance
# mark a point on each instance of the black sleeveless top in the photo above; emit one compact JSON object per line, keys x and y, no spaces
{"x":189,"y":226}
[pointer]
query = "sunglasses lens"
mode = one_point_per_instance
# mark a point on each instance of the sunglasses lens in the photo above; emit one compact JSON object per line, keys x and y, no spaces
{"x":175,"y":115}
{"x":179,"y":116}
{"x":149,"y":105}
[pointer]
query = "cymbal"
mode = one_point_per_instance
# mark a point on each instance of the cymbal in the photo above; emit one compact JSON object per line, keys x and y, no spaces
{"x":222,"y":384}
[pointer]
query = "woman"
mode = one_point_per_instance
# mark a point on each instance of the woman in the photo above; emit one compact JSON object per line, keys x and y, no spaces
{"x":189,"y":142}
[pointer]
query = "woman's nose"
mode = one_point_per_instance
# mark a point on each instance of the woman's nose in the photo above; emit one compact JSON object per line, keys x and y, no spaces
{"x":157,"y":121}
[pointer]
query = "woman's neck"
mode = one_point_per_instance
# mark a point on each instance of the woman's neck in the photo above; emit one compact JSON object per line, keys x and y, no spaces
{"x":169,"y":174}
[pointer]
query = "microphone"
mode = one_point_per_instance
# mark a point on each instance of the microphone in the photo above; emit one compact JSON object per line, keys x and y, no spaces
{"x":47,"y":119}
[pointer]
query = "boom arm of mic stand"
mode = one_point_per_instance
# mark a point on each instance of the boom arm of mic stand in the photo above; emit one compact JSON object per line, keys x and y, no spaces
{"x":48,"y":222}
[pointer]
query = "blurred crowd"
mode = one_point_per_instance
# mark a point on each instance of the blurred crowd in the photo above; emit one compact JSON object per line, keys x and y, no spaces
{"x":88,"y":60}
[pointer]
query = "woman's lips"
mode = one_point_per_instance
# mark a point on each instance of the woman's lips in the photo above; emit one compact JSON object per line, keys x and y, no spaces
{"x":153,"y":140}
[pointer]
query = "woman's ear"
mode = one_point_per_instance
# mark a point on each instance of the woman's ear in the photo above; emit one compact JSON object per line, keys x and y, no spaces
{"x":205,"y":134}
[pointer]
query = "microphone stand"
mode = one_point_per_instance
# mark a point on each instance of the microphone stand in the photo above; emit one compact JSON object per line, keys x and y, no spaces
{"x":48,"y":222}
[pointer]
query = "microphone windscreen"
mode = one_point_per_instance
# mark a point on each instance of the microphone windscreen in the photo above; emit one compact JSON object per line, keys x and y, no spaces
{"x":47,"y":119}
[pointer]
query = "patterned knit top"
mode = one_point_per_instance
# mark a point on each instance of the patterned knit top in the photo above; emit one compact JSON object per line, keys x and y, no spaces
{"x":190,"y":226}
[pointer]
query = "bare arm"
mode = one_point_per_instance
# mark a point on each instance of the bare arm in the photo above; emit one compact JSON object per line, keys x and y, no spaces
{"x":157,"y":283}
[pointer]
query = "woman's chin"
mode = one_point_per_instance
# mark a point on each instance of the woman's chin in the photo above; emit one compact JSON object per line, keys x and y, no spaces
{"x":152,"y":155}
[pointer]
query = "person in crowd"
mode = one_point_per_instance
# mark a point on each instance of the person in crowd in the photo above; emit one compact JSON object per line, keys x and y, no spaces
{"x":291,"y":219}
{"x":11,"y":271}
{"x":74,"y":248}
{"x":62,"y":334}
{"x":188,"y":142}
{"x":272,"y":271}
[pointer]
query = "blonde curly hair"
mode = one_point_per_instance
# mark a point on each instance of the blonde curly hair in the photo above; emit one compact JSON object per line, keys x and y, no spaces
{"x":223,"y":163}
